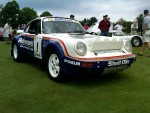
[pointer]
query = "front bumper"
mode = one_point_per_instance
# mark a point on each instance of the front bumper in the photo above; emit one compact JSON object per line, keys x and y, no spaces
{"x":99,"y":66}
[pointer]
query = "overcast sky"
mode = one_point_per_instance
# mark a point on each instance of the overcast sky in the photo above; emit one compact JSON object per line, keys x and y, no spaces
{"x":116,"y":9}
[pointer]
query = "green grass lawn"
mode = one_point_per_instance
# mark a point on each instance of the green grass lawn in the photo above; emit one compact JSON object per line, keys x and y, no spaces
{"x":24,"y":88}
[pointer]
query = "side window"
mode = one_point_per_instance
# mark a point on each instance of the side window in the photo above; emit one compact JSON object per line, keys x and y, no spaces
{"x":27,"y":29}
{"x":34,"y":27}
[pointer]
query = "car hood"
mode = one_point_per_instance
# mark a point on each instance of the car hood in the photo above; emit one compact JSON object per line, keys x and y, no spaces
{"x":93,"y":42}
{"x":96,"y":43}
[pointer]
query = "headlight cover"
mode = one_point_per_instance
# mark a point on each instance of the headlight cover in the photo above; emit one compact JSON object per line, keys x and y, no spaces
{"x":80,"y":48}
{"x":128,"y":46}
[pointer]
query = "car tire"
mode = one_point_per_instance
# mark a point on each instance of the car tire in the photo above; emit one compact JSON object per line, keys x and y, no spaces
{"x":136,"y":41}
{"x":54,"y":67}
{"x":15,"y":53}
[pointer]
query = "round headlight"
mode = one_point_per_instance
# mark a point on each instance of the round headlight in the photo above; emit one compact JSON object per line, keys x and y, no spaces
{"x":80,"y":48}
{"x":128,"y":46}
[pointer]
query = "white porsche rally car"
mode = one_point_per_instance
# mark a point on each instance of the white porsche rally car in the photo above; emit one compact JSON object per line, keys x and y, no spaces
{"x":135,"y":40}
{"x":65,"y":47}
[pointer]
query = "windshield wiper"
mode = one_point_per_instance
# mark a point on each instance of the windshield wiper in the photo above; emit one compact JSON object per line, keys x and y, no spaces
{"x":76,"y":32}
{"x":87,"y":33}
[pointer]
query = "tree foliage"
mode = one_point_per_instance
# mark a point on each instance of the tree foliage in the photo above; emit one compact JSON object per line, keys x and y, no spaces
{"x":46,"y":13}
{"x":89,"y":22}
{"x":9,"y":13}
{"x":92,"y":20}
{"x":26,"y":14}
{"x":1,"y":6}
{"x":140,"y":21}
{"x":1,"y":19}
{"x":125,"y":24}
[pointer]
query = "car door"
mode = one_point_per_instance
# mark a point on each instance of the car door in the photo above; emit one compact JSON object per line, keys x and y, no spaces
{"x":38,"y":46}
{"x":33,"y":35}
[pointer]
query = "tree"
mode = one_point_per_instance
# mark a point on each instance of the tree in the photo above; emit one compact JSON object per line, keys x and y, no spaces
{"x":90,"y":21}
{"x":1,"y":6}
{"x":84,"y":21}
{"x":46,"y":13}
{"x":26,"y":15}
{"x":125,"y":24}
{"x":1,"y":20}
{"x":140,"y":21}
{"x":9,"y":13}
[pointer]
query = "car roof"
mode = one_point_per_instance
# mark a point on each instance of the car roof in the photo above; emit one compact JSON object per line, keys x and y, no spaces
{"x":55,"y":18}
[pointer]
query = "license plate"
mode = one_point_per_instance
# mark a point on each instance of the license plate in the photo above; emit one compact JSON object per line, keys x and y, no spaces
{"x":116,"y":68}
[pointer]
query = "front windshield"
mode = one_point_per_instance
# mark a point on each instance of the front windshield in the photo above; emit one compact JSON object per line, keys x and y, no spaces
{"x":62,"y":27}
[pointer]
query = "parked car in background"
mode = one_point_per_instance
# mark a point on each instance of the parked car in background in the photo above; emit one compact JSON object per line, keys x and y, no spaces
{"x":19,"y":31}
{"x":136,"y":40}
{"x":93,"y":29}
{"x":65,"y":47}
{"x":1,"y":33}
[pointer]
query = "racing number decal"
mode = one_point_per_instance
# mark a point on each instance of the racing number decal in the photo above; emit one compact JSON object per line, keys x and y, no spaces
{"x":37,"y":47}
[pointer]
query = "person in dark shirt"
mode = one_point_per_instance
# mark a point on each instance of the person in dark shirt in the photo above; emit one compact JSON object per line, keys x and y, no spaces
{"x":72,"y":17}
{"x":104,"y":26}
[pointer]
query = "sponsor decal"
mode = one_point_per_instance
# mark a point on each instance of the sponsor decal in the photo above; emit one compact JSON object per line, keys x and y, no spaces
{"x":50,"y":19}
{"x":72,"y":62}
{"x":118,"y":62}
{"x":26,"y":44}
{"x":61,"y":19}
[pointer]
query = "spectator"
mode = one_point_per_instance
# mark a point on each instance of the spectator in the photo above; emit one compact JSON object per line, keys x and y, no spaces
{"x":111,"y":24}
{"x":134,"y":27}
{"x":146,"y":32}
{"x":72,"y":17}
{"x":19,"y":27}
{"x":86,"y":26}
{"x":7,"y":31}
{"x":119,"y":26}
{"x":104,"y":26}
{"x":23,"y":26}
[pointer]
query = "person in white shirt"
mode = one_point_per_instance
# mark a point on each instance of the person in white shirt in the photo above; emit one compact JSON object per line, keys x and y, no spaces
{"x":119,"y":27}
{"x":7,"y":30}
{"x":134,"y":28}
{"x":146,"y":32}
{"x":111,"y":24}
